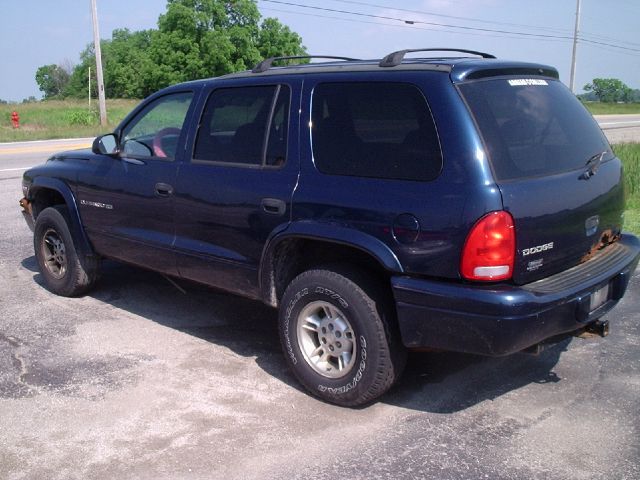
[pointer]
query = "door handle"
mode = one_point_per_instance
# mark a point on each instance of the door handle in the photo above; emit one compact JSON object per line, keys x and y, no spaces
{"x":164,"y":189}
{"x":273,"y":206}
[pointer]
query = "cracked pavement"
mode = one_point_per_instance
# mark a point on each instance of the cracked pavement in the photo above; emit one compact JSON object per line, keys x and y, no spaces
{"x":138,"y":380}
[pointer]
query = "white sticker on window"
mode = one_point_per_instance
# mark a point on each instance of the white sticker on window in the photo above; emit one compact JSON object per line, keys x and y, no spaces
{"x":520,"y":82}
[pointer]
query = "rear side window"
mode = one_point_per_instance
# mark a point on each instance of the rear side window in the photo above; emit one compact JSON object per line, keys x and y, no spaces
{"x":533,"y":127}
{"x":245,"y":125}
{"x":379,"y":130}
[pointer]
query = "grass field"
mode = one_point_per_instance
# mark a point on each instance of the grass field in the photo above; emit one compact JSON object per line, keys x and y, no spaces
{"x":60,"y":119}
{"x":597,"y":108}
{"x":629,"y":153}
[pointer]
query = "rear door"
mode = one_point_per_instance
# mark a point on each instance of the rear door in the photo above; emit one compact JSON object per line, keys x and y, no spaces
{"x":236,"y":189}
{"x":554,"y":167}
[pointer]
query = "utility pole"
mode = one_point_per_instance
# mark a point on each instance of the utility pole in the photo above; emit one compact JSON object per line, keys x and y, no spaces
{"x":96,"y":47}
{"x":89,"y":86}
{"x":572,"y":80}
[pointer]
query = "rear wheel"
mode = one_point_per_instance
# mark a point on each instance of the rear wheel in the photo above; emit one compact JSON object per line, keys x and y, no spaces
{"x":63,"y":271}
{"x":338,"y":332}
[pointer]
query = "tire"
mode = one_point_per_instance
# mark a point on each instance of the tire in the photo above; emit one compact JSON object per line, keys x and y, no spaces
{"x":63,"y":272}
{"x":338,"y":333}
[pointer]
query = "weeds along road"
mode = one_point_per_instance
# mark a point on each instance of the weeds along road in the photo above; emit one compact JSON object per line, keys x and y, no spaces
{"x":140,"y":380}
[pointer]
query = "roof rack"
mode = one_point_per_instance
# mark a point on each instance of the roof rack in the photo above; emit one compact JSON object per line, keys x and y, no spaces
{"x":267,"y":63}
{"x":394,"y":59}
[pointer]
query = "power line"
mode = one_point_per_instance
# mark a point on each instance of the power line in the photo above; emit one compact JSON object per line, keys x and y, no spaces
{"x":470,"y":19}
{"x":606,"y":38}
{"x":583,"y":40}
{"x":412,"y":22}
{"x":461,"y":27}
{"x":614,"y":50}
{"x":403,"y":26}
{"x":455,"y":17}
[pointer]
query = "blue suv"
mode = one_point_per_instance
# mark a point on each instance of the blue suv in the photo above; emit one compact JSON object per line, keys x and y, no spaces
{"x":462,"y":203}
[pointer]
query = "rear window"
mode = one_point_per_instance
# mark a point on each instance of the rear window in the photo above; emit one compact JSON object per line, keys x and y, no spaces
{"x":379,"y":130}
{"x":533,"y":127}
{"x":245,"y":126}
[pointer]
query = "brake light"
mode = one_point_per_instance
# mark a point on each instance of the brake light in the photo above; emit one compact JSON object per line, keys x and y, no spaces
{"x":489,"y":251}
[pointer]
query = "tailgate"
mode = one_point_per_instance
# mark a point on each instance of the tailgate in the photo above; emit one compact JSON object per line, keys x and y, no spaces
{"x":561,"y":220}
{"x":555,"y":169}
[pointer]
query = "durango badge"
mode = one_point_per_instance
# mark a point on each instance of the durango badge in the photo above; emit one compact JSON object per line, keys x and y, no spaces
{"x":96,"y":204}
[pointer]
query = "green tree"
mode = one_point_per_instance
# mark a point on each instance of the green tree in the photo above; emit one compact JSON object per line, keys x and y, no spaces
{"x":52,"y":80}
{"x":609,"y":90}
{"x":276,"y":39}
{"x":195,"y":39}
{"x":125,"y":64}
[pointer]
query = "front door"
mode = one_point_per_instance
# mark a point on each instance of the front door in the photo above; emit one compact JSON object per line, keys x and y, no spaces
{"x":126,"y":202}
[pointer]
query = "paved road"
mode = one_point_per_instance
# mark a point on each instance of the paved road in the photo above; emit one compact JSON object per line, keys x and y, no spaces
{"x":138,"y":380}
{"x":620,"y":128}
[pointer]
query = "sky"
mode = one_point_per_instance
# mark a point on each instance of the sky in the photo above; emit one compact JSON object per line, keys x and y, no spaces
{"x":40,"y":32}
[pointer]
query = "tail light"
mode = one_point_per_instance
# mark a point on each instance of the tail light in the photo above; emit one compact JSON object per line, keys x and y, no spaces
{"x":489,"y":251}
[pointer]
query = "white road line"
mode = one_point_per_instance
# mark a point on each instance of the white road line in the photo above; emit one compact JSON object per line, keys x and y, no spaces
{"x":631,"y":122}
{"x":55,"y":140}
{"x":15,"y":169}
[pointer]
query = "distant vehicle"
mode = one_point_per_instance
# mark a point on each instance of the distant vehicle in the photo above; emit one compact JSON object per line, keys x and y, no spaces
{"x":462,"y":203}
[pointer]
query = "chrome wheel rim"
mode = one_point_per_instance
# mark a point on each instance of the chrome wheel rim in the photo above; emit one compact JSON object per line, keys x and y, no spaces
{"x":326,"y":339}
{"x":54,"y":254}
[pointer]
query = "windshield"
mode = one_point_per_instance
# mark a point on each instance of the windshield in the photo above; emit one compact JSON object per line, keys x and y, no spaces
{"x":533,"y":127}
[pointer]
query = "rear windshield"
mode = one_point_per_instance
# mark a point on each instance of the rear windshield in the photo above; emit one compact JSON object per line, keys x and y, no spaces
{"x":533,"y":127}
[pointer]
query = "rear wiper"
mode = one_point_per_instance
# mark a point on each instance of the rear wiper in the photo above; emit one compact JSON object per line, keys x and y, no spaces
{"x":592,"y":165}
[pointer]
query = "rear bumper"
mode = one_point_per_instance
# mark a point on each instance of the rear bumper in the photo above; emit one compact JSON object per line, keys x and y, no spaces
{"x":502,"y":319}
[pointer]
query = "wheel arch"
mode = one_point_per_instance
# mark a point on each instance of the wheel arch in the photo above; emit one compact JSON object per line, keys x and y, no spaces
{"x":305,"y":244}
{"x":47,"y":192}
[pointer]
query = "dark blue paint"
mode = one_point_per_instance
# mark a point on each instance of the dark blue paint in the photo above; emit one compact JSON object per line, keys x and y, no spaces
{"x":501,"y":319}
{"x":214,"y":228}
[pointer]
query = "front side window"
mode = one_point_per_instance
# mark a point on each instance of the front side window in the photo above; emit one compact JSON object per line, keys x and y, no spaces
{"x":245,"y":126}
{"x":155,"y":131}
{"x":379,"y":130}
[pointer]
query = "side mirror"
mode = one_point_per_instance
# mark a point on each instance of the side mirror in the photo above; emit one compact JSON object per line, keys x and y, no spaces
{"x":106,"y":145}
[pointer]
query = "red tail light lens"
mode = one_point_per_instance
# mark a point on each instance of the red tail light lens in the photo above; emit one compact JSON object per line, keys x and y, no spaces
{"x":489,"y":251}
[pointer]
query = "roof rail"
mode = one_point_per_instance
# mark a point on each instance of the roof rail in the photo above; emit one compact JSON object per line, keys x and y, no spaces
{"x":267,"y":63}
{"x":395,"y":58}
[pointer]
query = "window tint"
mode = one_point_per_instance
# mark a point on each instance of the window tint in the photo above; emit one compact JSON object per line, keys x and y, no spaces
{"x":237,"y":122}
{"x":381,"y":130}
{"x":154,"y":132}
{"x":533,"y":127}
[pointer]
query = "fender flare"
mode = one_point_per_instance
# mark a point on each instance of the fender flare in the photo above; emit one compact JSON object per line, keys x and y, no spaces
{"x":80,"y":240}
{"x":322,"y":232}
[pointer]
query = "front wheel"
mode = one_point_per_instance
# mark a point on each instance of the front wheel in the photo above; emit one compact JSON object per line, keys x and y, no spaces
{"x":337,"y":331}
{"x":63,"y":271}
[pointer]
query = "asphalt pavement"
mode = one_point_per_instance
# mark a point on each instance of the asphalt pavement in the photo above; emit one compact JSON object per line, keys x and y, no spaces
{"x":139,"y":380}
{"x":620,"y":128}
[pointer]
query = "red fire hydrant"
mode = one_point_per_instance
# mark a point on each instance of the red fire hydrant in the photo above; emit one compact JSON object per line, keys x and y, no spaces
{"x":15,"y":119}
